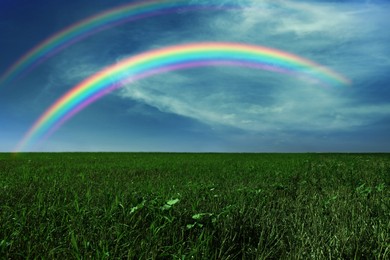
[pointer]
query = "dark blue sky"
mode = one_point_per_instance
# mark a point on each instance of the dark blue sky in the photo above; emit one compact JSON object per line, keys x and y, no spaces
{"x":206,"y":109}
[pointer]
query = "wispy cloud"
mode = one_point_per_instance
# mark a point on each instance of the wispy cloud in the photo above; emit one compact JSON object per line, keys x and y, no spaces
{"x":334,"y":34}
{"x":296,"y":107}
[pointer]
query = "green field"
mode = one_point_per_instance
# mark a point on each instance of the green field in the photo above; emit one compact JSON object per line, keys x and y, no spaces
{"x":194,"y":206}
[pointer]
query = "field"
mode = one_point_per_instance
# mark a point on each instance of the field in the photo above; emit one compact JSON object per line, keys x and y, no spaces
{"x":194,"y":206}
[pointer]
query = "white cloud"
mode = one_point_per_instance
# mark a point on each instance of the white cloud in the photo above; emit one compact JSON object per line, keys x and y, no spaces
{"x":301,"y":107}
{"x":331,"y":34}
{"x":297,"y":17}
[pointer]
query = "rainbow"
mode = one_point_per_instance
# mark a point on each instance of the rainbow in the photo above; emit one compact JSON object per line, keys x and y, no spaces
{"x":92,"y":25}
{"x":169,"y":59}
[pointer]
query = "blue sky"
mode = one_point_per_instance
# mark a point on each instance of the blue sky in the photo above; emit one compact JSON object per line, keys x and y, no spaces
{"x":214,"y":109}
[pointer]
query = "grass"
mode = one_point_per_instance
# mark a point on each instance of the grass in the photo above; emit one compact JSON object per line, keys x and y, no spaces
{"x":194,"y":206}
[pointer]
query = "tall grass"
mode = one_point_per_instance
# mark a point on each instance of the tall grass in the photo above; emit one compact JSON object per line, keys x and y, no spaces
{"x":202,"y":206}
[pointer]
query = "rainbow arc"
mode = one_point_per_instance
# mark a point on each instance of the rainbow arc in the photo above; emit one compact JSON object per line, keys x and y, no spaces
{"x":95,"y":24}
{"x":170,"y":59}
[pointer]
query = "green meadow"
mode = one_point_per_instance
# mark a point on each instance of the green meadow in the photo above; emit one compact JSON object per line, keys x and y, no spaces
{"x":194,"y":206}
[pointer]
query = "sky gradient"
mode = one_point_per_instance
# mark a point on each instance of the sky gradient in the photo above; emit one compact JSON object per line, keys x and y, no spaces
{"x":210,"y":109}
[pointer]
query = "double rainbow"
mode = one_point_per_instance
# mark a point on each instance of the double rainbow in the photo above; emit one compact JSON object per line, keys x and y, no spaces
{"x":170,"y":59}
{"x":93,"y":25}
